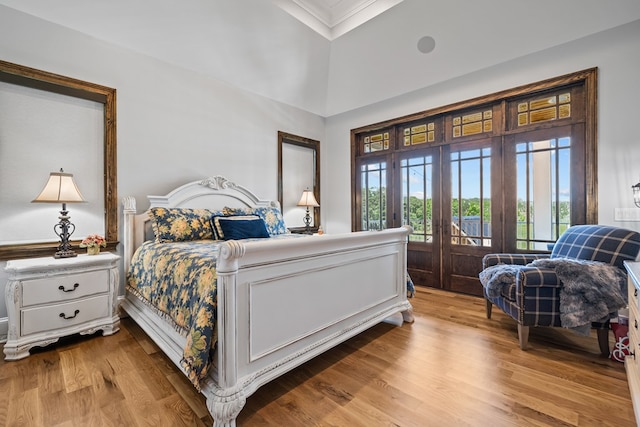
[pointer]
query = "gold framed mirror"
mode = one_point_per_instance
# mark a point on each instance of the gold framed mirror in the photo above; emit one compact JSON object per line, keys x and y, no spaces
{"x":26,"y":77}
{"x":298,"y":170}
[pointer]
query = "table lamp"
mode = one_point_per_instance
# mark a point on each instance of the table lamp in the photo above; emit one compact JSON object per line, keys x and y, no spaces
{"x":61,"y":188}
{"x":308,"y":199}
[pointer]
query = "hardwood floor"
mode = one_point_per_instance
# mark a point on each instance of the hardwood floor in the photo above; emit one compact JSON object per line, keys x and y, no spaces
{"x":452,"y":367}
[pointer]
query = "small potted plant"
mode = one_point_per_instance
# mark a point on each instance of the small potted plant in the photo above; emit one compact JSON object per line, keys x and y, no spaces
{"x":93,"y":243}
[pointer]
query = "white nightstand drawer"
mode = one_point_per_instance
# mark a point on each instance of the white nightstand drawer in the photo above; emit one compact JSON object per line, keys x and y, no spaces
{"x":63,"y":288}
{"x":632,"y":358}
{"x":59,"y":316}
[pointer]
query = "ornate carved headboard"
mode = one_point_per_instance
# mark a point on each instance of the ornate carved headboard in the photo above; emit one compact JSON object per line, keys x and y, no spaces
{"x":212,"y":193}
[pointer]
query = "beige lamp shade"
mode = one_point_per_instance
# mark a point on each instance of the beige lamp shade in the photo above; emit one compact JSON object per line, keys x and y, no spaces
{"x":308,"y":199}
{"x":60,"y":188}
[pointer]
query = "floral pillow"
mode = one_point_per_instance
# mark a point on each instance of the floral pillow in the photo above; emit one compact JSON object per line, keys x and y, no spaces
{"x":181,"y":224}
{"x":271,"y":216}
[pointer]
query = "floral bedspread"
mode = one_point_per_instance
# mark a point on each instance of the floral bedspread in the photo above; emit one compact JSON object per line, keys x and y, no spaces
{"x":179,"y":281}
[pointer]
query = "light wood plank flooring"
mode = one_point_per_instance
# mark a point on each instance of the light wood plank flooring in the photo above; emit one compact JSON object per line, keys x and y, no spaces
{"x":452,"y":367}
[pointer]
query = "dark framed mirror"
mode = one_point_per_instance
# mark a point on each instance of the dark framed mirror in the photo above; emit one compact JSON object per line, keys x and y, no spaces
{"x":100,"y":97}
{"x":298,"y":170}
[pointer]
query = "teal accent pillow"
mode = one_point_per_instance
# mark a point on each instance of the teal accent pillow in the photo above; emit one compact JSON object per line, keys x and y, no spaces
{"x":271,"y":216}
{"x":180,"y":224}
{"x":239,"y":227}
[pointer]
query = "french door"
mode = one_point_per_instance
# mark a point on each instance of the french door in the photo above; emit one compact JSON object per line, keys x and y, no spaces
{"x":545,"y":193}
{"x":471,"y":207}
{"x":507,"y":173}
{"x":445,"y":194}
{"x":418,"y":198}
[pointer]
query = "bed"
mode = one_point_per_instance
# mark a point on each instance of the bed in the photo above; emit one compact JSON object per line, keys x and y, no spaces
{"x":277,"y":301}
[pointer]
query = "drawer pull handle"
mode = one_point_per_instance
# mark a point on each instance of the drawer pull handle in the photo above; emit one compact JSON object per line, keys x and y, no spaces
{"x":635,"y":292}
{"x":75,"y":286}
{"x":635,"y":323}
{"x":64,"y":316}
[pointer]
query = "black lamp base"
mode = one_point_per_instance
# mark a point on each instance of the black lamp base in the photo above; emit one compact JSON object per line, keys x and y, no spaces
{"x":307,"y":222}
{"x":65,"y":254}
{"x":64,"y":229}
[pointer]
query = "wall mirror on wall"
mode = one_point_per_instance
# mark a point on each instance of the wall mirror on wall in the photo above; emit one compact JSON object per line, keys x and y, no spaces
{"x":298,"y":170}
{"x":49,"y":122}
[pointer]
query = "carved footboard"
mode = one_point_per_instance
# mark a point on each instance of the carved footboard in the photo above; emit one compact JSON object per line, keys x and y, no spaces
{"x":283,"y":302}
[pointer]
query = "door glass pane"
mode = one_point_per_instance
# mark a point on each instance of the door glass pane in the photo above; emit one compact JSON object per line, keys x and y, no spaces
{"x":374,"y":196}
{"x":471,"y":197}
{"x":544,"y":192}
{"x":417,"y":197}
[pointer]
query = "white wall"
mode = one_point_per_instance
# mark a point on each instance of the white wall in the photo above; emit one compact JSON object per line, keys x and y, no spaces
{"x":614,"y":52}
{"x":173,"y":125}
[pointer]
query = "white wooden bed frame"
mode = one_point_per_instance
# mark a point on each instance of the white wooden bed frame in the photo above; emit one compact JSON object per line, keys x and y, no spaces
{"x":280,"y":303}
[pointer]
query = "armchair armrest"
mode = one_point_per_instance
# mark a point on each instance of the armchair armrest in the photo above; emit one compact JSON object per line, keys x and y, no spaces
{"x":518,"y":281}
{"x":513,"y":259}
{"x":530,"y":277}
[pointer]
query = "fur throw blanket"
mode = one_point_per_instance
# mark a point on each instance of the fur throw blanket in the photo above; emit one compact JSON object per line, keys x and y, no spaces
{"x":590,"y":290}
{"x":498,"y":277}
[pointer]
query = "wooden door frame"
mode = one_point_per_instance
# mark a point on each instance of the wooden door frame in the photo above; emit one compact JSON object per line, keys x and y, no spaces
{"x":587,"y":78}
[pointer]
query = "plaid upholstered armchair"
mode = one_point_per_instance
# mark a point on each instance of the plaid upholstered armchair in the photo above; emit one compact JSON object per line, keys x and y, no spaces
{"x":530,"y":286}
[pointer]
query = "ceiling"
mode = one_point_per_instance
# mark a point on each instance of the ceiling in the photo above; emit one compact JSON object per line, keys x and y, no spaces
{"x":333,"y":18}
{"x":265,"y":48}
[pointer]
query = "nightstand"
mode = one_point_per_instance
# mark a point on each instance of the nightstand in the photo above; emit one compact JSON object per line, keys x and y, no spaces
{"x":49,"y":298}
{"x":632,"y":361}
